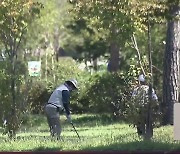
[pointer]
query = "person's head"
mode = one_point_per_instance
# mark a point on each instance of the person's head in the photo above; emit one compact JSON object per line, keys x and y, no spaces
{"x":141,"y":79}
{"x":72,"y":84}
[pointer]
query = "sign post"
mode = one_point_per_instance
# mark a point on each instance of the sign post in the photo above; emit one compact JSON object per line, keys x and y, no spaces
{"x":176,"y":121}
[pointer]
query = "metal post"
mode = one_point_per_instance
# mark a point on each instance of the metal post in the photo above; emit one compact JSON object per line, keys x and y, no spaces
{"x":75,"y":130}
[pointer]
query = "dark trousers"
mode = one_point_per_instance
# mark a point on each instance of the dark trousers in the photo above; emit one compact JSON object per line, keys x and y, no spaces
{"x":143,"y":129}
{"x":53,"y":119}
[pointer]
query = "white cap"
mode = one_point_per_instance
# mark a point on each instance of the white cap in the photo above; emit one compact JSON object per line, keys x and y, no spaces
{"x":141,"y":78}
{"x":74,"y":82}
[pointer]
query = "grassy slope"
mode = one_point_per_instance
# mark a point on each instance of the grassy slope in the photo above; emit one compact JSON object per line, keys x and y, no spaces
{"x":96,"y":132}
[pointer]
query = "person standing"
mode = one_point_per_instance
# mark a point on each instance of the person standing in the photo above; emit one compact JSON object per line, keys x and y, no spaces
{"x":141,"y":96}
{"x":59,"y":101}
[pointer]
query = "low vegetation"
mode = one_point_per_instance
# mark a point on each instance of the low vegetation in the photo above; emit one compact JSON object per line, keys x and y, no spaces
{"x":97,"y":133}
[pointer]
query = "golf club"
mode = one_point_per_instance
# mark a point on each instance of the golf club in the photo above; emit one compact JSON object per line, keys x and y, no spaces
{"x":75,"y":130}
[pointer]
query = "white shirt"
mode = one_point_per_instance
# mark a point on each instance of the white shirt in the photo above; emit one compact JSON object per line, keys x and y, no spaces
{"x":144,"y":89}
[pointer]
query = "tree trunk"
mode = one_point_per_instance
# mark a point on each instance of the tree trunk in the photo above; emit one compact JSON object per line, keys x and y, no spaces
{"x":95,"y":64}
{"x":11,"y":122}
{"x":56,"y":43}
{"x":114,"y":57}
{"x":171,"y":66}
{"x":149,"y":124}
{"x":113,"y":65}
{"x":53,"y":68}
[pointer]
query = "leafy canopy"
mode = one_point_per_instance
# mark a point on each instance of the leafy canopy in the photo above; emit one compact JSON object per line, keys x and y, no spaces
{"x":15,"y":16}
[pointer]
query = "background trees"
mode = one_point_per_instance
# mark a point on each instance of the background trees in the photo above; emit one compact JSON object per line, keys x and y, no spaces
{"x":114,"y":32}
{"x":110,"y":18}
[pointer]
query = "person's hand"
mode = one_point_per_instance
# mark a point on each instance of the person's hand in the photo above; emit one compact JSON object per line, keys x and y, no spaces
{"x":69,"y":118}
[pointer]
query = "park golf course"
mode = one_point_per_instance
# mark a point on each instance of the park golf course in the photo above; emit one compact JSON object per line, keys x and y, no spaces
{"x":105,"y":45}
{"x":97,"y":133}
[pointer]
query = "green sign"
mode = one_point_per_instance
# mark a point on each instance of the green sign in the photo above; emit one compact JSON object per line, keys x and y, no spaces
{"x":34,"y":68}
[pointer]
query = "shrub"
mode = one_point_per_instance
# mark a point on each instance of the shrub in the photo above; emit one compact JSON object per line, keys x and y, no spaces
{"x":11,"y":113}
{"x":105,"y":92}
{"x":137,"y":109}
{"x":59,"y":71}
{"x":111,"y":93}
{"x":38,"y":95}
{"x":40,"y":89}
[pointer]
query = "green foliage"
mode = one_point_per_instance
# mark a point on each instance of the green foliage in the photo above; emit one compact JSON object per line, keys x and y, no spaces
{"x":105,"y":92}
{"x":13,"y":122}
{"x":15,"y":16}
{"x":118,"y":20}
{"x":57,"y":72}
{"x":38,"y":95}
{"x":111,"y":93}
{"x":39,"y":90}
{"x":101,"y":22}
{"x":130,"y":58}
{"x":144,"y":11}
{"x":137,"y":109}
{"x":5,"y":97}
{"x":105,"y":14}
{"x":94,"y":23}
{"x":49,"y":30}
{"x":92,"y":43}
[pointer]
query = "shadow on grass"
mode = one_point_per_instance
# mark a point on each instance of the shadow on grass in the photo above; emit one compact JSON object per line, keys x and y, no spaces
{"x":86,"y":129}
{"x":135,"y":147}
{"x":46,"y":149}
{"x":33,"y":137}
{"x":85,"y":120}
{"x":91,"y":120}
{"x":140,"y":146}
{"x":47,"y":138}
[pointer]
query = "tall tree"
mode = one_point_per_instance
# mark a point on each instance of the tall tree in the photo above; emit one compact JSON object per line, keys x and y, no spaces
{"x":48,"y":33}
{"x":148,"y":13}
{"x":93,"y":44}
{"x":50,"y":29}
{"x":15,"y":16}
{"x":171,"y":75}
{"x":114,"y":17}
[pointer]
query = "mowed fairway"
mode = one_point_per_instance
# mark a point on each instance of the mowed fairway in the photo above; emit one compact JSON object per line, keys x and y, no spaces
{"x":97,"y":132}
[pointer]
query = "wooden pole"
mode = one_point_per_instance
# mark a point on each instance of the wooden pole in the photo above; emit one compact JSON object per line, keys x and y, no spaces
{"x":149,"y":127}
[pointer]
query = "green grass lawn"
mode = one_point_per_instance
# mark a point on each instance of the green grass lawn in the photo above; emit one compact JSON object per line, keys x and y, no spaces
{"x":97,"y":132}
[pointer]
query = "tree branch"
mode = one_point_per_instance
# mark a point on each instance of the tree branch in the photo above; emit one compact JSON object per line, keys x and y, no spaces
{"x":157,"y":69}
{"x":138,"y":53}
{"x":21,"y":37}
{"x":5,"y":40}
